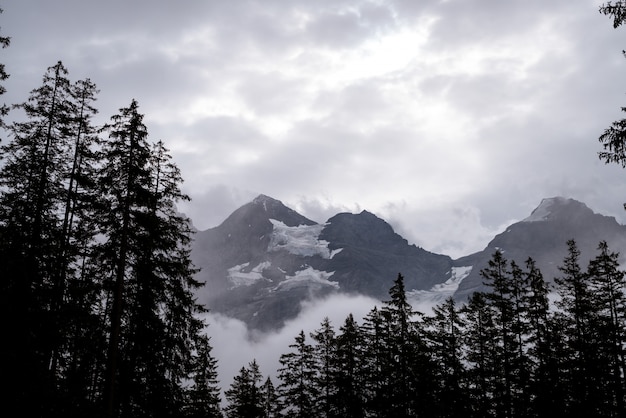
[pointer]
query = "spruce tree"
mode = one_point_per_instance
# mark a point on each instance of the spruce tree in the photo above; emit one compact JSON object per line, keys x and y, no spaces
{"x":349,"y":377}
{"x":270,"y":400}
{"x":507,"y":299}
{"x":32,"y":183}
{"x":148,"y":273}
{"x":244,"y":397}
{"x":480,"y":344}
{"x":608,"y":283}
{"x":578,"y":318}
{"x":543,"y":343}
{"x":203,"y":395}
{"x":297,"y":374}
{"x":445,"y":337}
{"x":325,"y":356}
{"x":377,"y":362}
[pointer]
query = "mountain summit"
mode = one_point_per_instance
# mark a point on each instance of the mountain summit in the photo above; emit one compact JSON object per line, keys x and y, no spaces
{"x":543,"y":236}
{"x":556,"y":208}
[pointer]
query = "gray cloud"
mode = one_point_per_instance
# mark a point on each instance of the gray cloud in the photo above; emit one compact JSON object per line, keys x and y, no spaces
{"x":449,"y":119}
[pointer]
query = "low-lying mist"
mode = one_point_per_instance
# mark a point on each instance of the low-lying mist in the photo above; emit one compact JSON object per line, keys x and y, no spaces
{"x":234,"y":346}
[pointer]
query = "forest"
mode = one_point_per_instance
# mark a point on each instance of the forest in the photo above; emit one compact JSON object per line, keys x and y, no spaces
{"x":100,"y":319}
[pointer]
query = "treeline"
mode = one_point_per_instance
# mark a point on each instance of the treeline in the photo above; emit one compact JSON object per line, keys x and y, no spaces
{"x":97,"y":291}
{"x":508,"y":352}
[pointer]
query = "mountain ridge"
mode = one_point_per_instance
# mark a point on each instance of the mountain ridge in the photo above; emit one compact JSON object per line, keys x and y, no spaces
{"x":265,"y":259}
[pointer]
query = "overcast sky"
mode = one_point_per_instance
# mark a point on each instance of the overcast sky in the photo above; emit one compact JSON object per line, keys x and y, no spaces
{"x":449,"y":119}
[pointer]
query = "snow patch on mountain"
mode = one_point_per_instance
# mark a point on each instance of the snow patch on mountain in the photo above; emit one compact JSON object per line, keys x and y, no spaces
{"x":308,"y":277}
{"x":300,"y":240}
{"x":239,"y":276}
{"x":439,"y":292}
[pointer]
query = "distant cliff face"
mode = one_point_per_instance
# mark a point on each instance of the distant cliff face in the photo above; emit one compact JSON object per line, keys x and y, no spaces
{"x":265,"y":259}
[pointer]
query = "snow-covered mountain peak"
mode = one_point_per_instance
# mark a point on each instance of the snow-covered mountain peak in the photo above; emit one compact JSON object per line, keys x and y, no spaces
{"x":266,"y":201}
{"x":550,"y":206}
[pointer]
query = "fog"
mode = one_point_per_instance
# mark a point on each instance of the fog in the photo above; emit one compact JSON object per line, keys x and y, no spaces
{"x":234,"y":346}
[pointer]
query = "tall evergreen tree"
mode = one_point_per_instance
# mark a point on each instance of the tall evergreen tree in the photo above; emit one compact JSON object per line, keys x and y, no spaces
{"x":297,"y":374}
{"x":608,"y":282}
{"x":377,"y":379}
{"x":498,"y":279}
{"x":349,"y":377}
{"x":480,"y":344}
{"x":203,"y":395}
{"x":244,"y":397}
{"x":32,"y":181}
{"x":445,"y":338}
{"x":270,"y":400}
{"x":145,"y":261}
{"x":576,"y":304}
{"x":545,"y":389}
{"x":325,"y":356}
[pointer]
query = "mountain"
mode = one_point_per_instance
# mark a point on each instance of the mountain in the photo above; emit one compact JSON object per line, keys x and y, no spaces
{"x":543,"y":236}
{"x":265,"y":259}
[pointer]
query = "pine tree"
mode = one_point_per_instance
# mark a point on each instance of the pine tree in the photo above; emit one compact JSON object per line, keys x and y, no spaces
{"x":245,"y":399}
{"x":270,"y":400}
{"x":499,"y":296}
{"x":377,"y":361}
{"x":445,"y":333}
{"x":297,"y":374}
{"x":148,"y":272}
{"x":32,"y":180}
{"x":576,"y":304}
{"x":545,"y":388}
{"x":203,"y":396}
{"x":608,"y":283}
{"x":325,"y":357}
{"x":349,"y":378}
{"x":480,"y":344}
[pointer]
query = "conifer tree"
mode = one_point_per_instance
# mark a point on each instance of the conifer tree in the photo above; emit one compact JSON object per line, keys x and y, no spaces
{"x":325,"y":357}
{"x":203,"y":395}
{"x":245,"y":399}
{"x":32,"y":181}
{"x":270,"y":400}
{"x":608,"y":283}
{"x":543,"y":341}
{"x":508,"y":299}
{"x":349,"y":377}
{"x":576,"y":304}
{"x":445,"y":337}
{"x":480,"y":344}
{"x":145,"y":261}
{"x":297,"y":374}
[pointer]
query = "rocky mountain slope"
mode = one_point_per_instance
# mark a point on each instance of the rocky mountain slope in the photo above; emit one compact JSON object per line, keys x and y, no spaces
{"x":265,"y":259}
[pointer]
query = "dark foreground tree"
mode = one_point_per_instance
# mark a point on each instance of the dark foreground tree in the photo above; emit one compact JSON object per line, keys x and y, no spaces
{"x":298,"y":372}
{"x":244,"y":397}
{"x":148,"y":276}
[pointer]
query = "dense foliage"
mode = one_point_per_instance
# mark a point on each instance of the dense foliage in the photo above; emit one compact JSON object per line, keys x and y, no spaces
{"x":97,"y":291}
